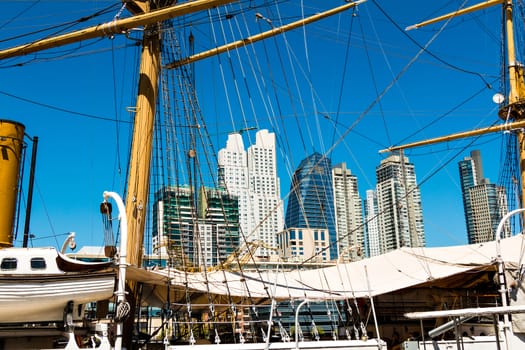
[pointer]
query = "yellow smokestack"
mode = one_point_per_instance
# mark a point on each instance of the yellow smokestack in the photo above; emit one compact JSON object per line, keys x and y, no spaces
{"x":11,"y":145}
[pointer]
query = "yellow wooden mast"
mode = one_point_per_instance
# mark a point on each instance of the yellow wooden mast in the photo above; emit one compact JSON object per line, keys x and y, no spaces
{"x":512,"y":111}
{"x":11,"y":145}
{"x":142,"y":139}
{"x":140,"y":158}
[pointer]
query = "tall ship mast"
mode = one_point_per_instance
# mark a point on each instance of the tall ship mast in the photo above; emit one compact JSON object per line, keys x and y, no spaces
{"x":227,"y":302}
{"x":511,"y":110}
{"x":149,"y":14}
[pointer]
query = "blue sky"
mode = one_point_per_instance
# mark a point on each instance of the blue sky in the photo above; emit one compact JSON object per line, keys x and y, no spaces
{"x":70,"y":98}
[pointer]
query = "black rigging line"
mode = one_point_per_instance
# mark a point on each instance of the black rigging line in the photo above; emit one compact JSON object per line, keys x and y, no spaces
{"x":62,"y":54}
{"x":430,"y":52}
{"x":345,"y":127}
{"x":60,"y":109}
{"x":461,"y":150}
{"x":374,"y":81}
{"x":64,"y":26}
{"x":287,"y":87}
{"x":343,"y":76}
{"x":412,"y":153}
{"x":19,"y":14}
{"x":445,"y":114}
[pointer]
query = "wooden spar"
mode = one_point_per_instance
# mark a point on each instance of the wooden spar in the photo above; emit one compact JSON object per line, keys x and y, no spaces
{"x":261,"y":36}
{"x":514,"y":111}
{"x":460,"y":12}
{"x":113,"y":27}
{"x":482,"y":131}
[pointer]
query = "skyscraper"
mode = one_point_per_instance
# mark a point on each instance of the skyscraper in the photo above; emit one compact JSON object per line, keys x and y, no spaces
{"x":489,"y":204}
{"x":400,"y":215}
{"x":252,"y":176}
{"x":265,"y":192}
{"x":348,"y":214}
{"x":371,"y":224}
{"x":484,"y":203}
{"x":311,"y":202}
{"x":470,"y":169}
{"x":233,"y":176}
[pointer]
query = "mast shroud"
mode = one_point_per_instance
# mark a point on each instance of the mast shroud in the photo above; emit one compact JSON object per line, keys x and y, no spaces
{"x":114,"y":27}
{"x":514,"y":111}
{"x":261,"y":36}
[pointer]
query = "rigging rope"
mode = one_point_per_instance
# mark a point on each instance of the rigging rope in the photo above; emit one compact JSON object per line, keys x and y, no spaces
{"x":191,"y":113}
{"x":424,"y":48}
{"x":63,"y":26}
{"x":343,"y":75}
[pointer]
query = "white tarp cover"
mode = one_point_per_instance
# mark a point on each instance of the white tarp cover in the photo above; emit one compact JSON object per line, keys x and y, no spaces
{"x":403,"y":268}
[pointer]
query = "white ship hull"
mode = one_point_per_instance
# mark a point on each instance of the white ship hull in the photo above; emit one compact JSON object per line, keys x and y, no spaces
{"x":44,"y":298}
{"x":38,"y":284}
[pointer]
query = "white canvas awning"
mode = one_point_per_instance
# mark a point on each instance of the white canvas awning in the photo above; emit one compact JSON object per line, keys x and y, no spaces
{"x":399,"y":269}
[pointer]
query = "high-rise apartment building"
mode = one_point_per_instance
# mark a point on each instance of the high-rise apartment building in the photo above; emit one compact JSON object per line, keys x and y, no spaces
{"x":470,"y":174}
{"x":233,"y":177}
{"x":252,"y":176}
{"x":348,"y":214}
{"x":195,"y":231}
{"x":311,"y":201}
{"x":400,"y":214}
{"x":371,"y":224}
{"x":489,"y":204}
{"x":484,"y":203}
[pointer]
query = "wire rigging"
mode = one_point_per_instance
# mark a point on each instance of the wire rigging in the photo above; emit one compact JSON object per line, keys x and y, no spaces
{"x":425,"y":48}
{"x":22,"y":12}
{"x":343,"y":75}
{"x":62,"y":26}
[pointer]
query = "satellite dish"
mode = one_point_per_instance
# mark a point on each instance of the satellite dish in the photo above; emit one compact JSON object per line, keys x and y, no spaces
{"x":498,"y":98}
